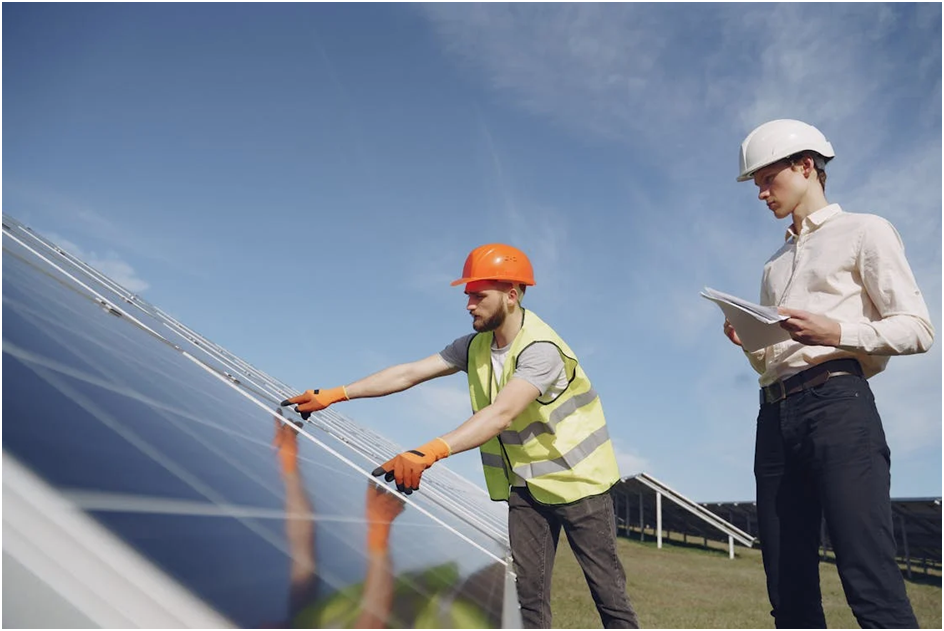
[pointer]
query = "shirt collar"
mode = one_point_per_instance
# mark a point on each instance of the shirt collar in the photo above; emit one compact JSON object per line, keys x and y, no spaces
{"x":815,"y":220}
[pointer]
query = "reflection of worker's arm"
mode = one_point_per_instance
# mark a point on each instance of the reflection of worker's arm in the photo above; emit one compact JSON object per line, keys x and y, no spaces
{"x":377,"y":599}
{"x":299,"y":529}
{"x":299,"y":525}
{"x":378,"y":591}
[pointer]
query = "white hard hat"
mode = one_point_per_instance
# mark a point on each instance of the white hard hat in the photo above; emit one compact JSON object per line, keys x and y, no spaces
{"x":779,"y":139}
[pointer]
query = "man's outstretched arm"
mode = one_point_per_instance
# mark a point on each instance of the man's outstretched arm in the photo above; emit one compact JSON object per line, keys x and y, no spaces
{"x":387,"y":381}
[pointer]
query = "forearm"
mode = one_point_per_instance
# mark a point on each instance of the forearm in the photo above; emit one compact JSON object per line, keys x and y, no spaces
{"x":758,"y":360}
{"x":893,"y":335}
{"x":407,"y":467}
{"x":389,"y":380}
{"x":481,"y":427}
{"x":400,"y":377}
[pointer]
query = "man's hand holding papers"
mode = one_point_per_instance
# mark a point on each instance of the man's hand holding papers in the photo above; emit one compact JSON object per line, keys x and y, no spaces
{"x":756,"y":326}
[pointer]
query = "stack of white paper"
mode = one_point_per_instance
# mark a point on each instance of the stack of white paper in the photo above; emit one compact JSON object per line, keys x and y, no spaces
{"x":756,"y":326}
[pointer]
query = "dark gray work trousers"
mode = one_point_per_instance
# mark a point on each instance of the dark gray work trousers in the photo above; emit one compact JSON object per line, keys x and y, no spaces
{"x":590,"y":524}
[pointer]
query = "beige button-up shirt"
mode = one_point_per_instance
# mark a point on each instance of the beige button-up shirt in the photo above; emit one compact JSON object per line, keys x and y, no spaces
{"x":851,"y":268}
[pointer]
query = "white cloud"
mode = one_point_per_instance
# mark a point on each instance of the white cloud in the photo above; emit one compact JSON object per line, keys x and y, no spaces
{"x":540,"y":231}
{"x":160,"y":241}
{"x":119,"y":271}
{"x":810,"y":62}
{"x":110,"y":264}
{"x":581,"y":65}
{"x":504,"y":192}
{"x":625,"y":72}
{"x":907,"y":192}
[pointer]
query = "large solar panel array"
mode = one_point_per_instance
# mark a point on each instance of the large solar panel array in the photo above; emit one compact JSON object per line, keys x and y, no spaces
{"x":916,"y":522}
{"x":142,"y":487}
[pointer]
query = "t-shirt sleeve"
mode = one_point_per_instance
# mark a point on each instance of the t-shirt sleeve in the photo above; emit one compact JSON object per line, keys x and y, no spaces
{"x":540,"y":365}
{"x":456,"y":354}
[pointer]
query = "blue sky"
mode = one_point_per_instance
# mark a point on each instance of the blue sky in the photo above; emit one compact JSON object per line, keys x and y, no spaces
{"x":299,"y":183}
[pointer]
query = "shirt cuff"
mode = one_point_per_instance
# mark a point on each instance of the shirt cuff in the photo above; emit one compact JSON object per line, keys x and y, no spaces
{"x":849,"y":335}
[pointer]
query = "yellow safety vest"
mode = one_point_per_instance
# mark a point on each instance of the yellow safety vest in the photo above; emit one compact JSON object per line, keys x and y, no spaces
{"x":560,"y":448}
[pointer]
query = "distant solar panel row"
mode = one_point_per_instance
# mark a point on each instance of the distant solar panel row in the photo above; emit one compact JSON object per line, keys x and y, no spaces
{"x":917,"y":524}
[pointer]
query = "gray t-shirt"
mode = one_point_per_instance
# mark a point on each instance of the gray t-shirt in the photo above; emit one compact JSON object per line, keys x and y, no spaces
{"x":540,"y":364}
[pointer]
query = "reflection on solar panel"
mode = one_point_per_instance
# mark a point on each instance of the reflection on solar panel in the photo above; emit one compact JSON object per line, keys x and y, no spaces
{"x":148,"y":481}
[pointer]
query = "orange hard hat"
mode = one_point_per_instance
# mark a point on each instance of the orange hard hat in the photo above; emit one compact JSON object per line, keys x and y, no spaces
{"x":496,"y":261}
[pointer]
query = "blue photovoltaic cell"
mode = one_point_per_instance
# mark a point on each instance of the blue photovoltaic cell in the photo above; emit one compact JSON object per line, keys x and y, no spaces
{"x":182,"y":466}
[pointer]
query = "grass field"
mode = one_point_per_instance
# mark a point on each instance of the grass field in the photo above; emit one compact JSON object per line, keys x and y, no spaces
{"x":691,"y":587}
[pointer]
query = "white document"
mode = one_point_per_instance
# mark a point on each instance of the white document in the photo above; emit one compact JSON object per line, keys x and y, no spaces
{"x":756,"y":326}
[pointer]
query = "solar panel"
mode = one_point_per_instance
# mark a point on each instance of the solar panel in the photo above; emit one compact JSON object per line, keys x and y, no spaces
{"x":639,"y":505}
{"x":918,"y":529}
{"x":149,"y":451}
{"x":916,"y":523}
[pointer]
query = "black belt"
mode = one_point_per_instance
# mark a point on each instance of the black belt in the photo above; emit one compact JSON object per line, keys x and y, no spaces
{"x":809,"y":378}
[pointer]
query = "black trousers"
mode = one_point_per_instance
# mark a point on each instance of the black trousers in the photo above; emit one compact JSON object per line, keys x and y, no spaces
{"x":822,"y":453}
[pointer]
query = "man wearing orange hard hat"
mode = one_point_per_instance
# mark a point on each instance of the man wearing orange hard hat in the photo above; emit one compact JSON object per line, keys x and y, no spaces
{"x":540,"y":429}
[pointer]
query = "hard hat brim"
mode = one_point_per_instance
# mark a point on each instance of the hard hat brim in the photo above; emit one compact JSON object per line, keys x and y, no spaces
{"x":472,"y":279}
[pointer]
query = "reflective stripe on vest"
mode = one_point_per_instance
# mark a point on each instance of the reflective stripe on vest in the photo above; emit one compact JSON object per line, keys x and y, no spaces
{"x":560,"y":448}
{"x":568,"y":407}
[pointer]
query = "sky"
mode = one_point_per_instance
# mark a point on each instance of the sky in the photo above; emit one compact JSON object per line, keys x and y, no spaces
{"x":300,"y":183}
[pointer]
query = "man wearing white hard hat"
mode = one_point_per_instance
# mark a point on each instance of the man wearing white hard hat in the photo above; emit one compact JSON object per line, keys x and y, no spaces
{"x":852,"y":301}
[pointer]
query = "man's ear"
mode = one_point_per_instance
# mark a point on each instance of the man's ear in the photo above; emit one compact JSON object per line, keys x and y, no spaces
{"x":514,"y":294}
{"x":809,"y":166}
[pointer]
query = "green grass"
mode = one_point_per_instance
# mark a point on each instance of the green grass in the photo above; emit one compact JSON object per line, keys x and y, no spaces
{"x":690,"y":587}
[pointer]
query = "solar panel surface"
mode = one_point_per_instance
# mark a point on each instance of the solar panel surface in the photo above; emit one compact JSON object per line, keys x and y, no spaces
{"x":166,"y":440}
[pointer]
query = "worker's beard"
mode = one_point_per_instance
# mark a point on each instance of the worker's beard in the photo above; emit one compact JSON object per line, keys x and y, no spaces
{"x":491,"y":323}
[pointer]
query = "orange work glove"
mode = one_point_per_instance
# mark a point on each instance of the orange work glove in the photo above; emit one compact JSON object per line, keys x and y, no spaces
{"x":408,"y":467}
{"x":382,"y":508}
{"x":316,"y":400}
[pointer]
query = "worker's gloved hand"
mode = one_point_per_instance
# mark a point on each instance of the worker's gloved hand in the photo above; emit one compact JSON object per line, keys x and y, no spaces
{"x":408,"y":467}
{"x":316,"y":400}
